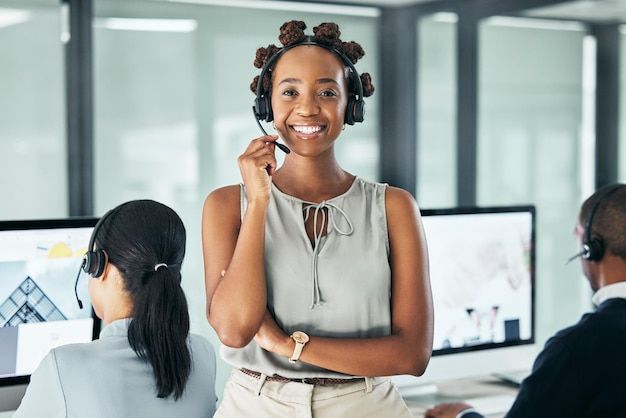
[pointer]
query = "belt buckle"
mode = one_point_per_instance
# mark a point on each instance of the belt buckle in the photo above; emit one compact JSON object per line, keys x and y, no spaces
{"x":309,"y":380}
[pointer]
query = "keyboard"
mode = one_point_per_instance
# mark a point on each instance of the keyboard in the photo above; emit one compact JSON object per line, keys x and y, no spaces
{"x":493,"y":404}
{"x":515,"y":377}
{"x":487,"y":405}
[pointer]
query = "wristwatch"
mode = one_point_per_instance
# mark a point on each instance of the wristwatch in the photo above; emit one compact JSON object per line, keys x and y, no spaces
{"x":300,"y":338}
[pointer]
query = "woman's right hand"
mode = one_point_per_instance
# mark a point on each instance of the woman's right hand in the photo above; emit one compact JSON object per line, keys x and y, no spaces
{"x":257,"y":164}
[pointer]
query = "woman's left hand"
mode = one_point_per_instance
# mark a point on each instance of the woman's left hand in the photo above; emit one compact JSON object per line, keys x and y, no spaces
{"x":271,"y":338}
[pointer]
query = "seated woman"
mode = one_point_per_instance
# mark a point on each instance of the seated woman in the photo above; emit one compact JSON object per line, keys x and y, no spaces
{"x":145,"y":362}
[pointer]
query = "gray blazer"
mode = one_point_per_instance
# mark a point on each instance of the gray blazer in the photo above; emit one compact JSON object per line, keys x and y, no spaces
{"x":106,"y":379}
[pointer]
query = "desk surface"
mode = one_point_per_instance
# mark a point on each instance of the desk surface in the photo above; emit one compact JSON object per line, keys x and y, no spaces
{"x":449,"y":391}
{"x":463,"y":390}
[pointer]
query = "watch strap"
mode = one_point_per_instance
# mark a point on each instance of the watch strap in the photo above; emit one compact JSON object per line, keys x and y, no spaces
{"x":297,"y":351}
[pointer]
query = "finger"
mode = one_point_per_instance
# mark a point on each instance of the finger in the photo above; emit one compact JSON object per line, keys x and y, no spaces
{"x":253,"y":159}
{"x":259,"y":142}
{"x":260,"y":159}
{"x":268,"y":138}
{"x":270,"y":166}
{"x":263,"y":158}
{"x":264,"y":161}
{"x":266,"y":149}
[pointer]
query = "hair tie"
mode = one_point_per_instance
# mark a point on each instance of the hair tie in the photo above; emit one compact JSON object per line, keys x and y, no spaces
{"x":156,"y":267}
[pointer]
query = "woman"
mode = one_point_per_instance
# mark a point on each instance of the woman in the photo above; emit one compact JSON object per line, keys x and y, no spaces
{"x":316,"y":280}
{"x":145,"y":362}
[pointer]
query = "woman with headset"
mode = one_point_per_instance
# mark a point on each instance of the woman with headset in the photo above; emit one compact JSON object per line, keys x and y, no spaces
{"x":316,"y":279}
{"x":145,"y":363}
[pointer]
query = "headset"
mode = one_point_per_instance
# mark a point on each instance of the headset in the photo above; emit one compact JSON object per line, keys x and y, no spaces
{"x":593,"y":246}
{"x":355,"y":109}
{"x":94,"y":260}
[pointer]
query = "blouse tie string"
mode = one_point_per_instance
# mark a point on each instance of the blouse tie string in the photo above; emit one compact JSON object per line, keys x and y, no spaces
{"x":333,"y":211}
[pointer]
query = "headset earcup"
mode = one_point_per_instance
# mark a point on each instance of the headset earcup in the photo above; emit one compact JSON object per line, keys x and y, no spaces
{"x":594,"y":249}
{"x":355,"y":110}
{"x":259,"y":108}
{"x":87,"y":262}
{"x":100,"y":262}
{"x":268,"y":109}
{"x":263,"y":109}
{"x":359,"y":111}
{"x":349,"y":116}
{"x":94,"y":262}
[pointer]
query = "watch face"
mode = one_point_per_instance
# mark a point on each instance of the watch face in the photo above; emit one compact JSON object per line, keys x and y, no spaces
{"x":300,"y":337}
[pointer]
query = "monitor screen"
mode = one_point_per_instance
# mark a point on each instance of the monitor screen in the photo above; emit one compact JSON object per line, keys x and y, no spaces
{"x":482,"y":275}
{"x":39,"y":261}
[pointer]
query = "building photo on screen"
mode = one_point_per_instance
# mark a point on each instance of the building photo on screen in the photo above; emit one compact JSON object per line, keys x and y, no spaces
{"x":39,"y":261}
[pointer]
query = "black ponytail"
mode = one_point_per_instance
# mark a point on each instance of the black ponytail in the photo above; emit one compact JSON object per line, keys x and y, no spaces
{"x":137,"y":237}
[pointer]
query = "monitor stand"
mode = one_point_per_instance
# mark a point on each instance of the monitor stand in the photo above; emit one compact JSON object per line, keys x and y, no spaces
{"x":11,"y":396}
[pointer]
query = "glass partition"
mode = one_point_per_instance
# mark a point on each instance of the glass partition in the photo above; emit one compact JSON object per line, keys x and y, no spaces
{"x":32,"y":111}
{"x":436,"y":107}
{"x":529,"y":145}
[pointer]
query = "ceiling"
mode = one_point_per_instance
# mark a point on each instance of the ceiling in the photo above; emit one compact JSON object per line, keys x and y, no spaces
{"x":587,"y":10}
{"x":590,"y":10}
{"x":385,"y":2}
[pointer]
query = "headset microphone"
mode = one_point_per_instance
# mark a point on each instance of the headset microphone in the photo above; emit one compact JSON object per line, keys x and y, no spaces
{"x":80,"y":303}
{"x":280,"y":146}
{"x":575,"y":256}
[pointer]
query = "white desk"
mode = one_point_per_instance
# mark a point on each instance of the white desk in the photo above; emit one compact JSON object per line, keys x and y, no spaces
{"x":482,"y":388}
{"x":449,"y":391}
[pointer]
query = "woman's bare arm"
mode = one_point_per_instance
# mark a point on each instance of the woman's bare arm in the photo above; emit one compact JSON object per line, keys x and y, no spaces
{"x":233,"y":248}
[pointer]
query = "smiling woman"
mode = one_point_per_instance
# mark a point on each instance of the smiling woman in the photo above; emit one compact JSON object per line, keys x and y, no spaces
{"x":303,"y":325}
{"x":309,"y":109}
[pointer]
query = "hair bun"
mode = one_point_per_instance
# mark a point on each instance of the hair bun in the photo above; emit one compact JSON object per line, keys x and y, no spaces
{"x":291,"y":32}
{"x":264,"y":54}
{"x":255,"y":83}
{"x":328,"y":32}
{"x":353,"y":51}
{"x":368,"y":87}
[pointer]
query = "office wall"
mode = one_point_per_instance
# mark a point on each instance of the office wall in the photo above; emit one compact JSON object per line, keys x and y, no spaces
{"x":173,"y":110}
{"x":33,"y":175}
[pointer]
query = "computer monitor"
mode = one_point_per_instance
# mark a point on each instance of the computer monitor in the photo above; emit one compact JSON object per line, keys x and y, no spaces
{"x":39,"y":261}
{"x":482,"y":273}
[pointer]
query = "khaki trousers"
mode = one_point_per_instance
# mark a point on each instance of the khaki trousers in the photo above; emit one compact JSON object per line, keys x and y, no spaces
{"x":247,"y":396}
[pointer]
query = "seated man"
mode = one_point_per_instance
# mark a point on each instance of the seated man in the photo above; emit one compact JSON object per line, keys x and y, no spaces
{"x":581,"y":372}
